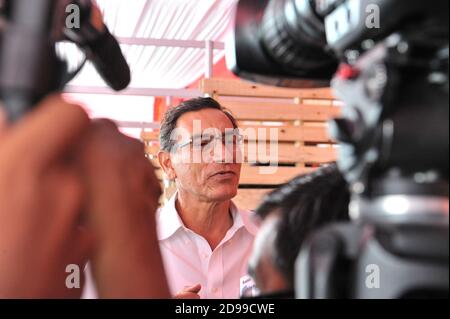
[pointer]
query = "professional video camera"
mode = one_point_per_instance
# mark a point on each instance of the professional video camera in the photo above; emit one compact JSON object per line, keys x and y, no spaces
{"x":388,"y":61}
{"x":30,"y":67}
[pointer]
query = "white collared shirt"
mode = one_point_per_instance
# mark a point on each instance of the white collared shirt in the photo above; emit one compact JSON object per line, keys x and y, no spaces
{"x":188,"y":258}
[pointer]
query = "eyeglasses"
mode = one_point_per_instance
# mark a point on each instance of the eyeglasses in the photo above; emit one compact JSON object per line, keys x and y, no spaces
{"x":207,"y":142}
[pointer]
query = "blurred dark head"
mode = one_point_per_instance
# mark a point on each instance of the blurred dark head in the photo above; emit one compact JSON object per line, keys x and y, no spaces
{"x":289,"y":215}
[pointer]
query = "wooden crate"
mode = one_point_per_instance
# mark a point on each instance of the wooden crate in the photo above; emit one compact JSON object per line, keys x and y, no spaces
{"x":298,"y":118}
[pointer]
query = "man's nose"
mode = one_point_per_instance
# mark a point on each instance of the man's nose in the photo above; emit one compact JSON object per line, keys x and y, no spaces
{"x":223,"y":153}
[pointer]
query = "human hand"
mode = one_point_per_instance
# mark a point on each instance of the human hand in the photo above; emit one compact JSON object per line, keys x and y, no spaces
{"x":189,"y":292}
{"x":40,"y":202}
{"x":123,"y":194}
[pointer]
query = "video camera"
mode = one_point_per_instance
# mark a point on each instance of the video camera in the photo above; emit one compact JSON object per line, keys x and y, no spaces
{"x":388,"y":61}
{"x":30,"y":67}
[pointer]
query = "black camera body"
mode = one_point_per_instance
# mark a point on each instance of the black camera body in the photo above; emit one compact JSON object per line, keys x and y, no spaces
{"x":388,"y":61}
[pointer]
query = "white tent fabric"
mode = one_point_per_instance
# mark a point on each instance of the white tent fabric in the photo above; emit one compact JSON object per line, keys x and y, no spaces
{"x":118,"y":108}
{"x":163,"y":67}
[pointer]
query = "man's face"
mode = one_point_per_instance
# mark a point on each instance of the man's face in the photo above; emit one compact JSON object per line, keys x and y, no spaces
{"x":214,"y":177}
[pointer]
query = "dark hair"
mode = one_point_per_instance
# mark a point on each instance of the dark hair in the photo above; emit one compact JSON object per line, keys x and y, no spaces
{"x":170,"y":120}
{"x":306,"y":203}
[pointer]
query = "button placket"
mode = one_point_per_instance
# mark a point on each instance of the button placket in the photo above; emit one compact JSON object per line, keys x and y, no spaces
{"x":215,"y":274}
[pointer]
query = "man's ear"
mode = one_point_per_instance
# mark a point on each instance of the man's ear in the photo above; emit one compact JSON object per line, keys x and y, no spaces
{"x":166,"y":164}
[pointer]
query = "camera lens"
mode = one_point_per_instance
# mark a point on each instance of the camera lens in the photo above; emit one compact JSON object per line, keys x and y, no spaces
{"x":293,"y":35}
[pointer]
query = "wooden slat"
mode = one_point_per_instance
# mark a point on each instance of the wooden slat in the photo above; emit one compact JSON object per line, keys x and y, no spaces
{"x":281,"y":112}
{"x":152,"y":149}
{"x":150,"y":136}
{"x":289,"y":153}
{"x":230,"y":87}
{"x":252,"y":175}
{"x":250,"y":199}
{"x":317,"y":94}
{"x":317,"y":102}
{"x":287,"y":133}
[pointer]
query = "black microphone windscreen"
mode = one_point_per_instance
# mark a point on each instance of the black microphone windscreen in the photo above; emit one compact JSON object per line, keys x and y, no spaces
{"x":109,"y":61}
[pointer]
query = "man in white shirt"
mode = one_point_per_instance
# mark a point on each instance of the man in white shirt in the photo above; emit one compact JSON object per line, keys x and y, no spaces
{"x":205,"y":239}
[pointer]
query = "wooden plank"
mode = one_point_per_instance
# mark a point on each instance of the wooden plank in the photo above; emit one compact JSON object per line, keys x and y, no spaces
{"x":152,"y":149}
{"x":150,"y":135}
{"x":281,"y":112}
{"x":288,"y":153}
{"x":287,"y":133}
{"x":252,"y":175}
{"x":306,"y":154}
{"x":317,"y":102}
{"x":231,"y":87}
{"x":250,"y":199}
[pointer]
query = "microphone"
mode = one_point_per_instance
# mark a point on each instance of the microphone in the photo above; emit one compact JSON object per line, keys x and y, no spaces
{"x":106,"y":55}
{"x":100,"y":47}
{"x":29,"y":65}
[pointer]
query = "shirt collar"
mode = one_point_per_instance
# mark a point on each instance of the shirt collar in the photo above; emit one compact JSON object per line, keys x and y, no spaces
{"x":169,"y":222}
